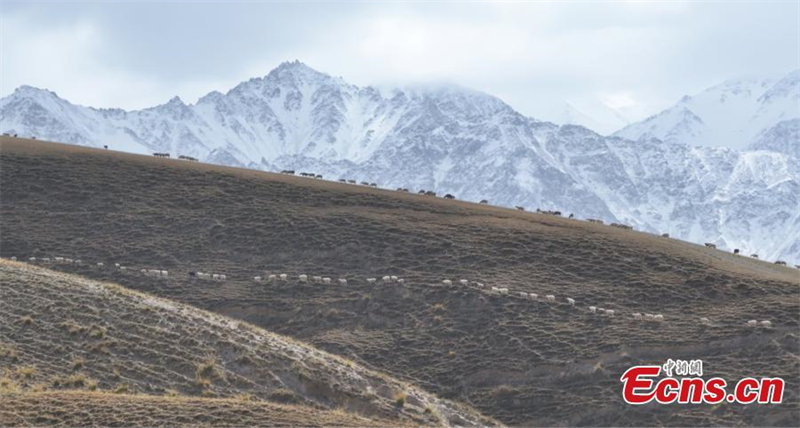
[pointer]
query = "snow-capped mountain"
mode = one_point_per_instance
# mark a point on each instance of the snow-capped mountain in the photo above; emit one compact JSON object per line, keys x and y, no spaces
{"x":735,"y":114}
{"x":455,"y":140}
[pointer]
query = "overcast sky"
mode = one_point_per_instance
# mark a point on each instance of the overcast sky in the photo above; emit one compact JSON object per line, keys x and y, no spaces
{"x":635,"y":57}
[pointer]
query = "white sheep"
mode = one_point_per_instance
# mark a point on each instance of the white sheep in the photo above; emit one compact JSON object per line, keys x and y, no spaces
{"x":78,"y":262}
{"x":766,"y":324}
{"x":272,"y":277}
{"x":123,"y":268}
{"x":550,"y":298}
{"x":223,"y":277}
{"x":648,"y":317}
{"x":164,"y":274}
{"x":257,"y":279}
{"x":593,"y":309}
{"x":610,"y":312}
{"x":533,"y":296}
{"x":371,"y":280}
{"x":503,"y":290}
{"x":387,"y":278}
{"x":601,"y":311}
{"x":317,"y":279}
{"x":448,"y":282}
{"x":100,"y":265}
{"x":523,"y":294}
{"x":479,"y":284}
{"x":68,"y":261}
{"x":32,"y":259}
{"x":401,"y":281}
{"x":752,"y":323}
{"x":326,"y":280}
{"x":571,"y":301}
{"x":463,"y":281}
{"x":116,"y":265}
{"x":705,"y":320}
{"x":658,"y":318}
{"x":494,"y":289}
{"x":303,"y":278}
{"x":284,"y":277}
{"x":46,"y":260}
{"x":342,"y":281}
{"x":393,"y":278}
{"x":637,"y":316}
{"x":215,"y":277}
{"x":13,"y":258}
{"x":144,"y":272}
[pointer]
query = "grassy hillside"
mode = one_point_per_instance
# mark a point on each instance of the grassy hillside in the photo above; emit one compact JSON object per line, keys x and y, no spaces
{"x":62,"y":332}
{"x":519,"y":361}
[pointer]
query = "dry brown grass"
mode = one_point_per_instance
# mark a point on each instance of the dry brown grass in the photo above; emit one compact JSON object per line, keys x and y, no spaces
{"x":557,"y":365}
{"x":77,"y":408}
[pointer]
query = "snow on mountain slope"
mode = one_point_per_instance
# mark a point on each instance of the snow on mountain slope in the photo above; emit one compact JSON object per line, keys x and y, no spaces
{"x":733,"y":114}
{"x":455,"y":140}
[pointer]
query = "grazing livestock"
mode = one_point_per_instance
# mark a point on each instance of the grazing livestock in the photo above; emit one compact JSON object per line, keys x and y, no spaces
{"x":502,"y":290}
{"x":105,"y":147}
{"x":448,"y":282}
{"x":594,"y":220}
{"x":421,"y":192}
{"x":164,"y":274}
{"x":705,"y":321}
{"x":637,"y":316}
{"x":601,"y":310}
{"x":387,"y":279}
{"x":401,"y":281}
{"x":571,"y":215}
{"x":479,"y":284}
{"x":272,"y":277}
{"x":430,"y":193}
{"x":287,"y":171}
{"x":371,"y":280}
{"x":550,"y":298}
{"x":317,"y":279}
{"x":766,"y":324}
{"x":123,"y":269}
{"x":319,"y":176}
{"x":351,"y":182}
{"x":520,"y":208}
{"x":484,"y":201}
{"x":215,"y":277}
{"x":533,"y":296}
{"x":665,"y":235}
{"x":780,"y":262}
{"x":13,"y":258}
{"x":161,"y":155}
{"x":755,"y":256}
{"x":571,"y":301}
{"x":449,"y":196}
{"x":393,"y":278}
{"x":593,"y":309}
{"x":284,"y":277}
{"x":303,"y":278}
{"x":326,"y":280}
{"x":710,"y":245}
{"x":116,"y":265}
{"x":735,"y":251}
{"x":223,"y":277}
{"x":648,"y":317}
{"x":342,"y":180}
{"x":610,"y":312}
{"x":257,"y":279}
{"x":342,"y":281}
{"x":463,"y":281}
{"x":373,"y":185}
{"x":32,"y":259}
{"x":752,"y":323}
{"x":622,"y":226}
{"x":364,"y":183}
{"x":46,"y":260}
{"x":658,"y":318}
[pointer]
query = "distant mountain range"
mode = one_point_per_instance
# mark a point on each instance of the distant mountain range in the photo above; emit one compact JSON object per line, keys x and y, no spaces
{"x":651,"y":174}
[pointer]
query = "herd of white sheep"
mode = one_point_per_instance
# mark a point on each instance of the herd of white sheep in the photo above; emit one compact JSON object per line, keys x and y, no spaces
{"x":387,"y":279}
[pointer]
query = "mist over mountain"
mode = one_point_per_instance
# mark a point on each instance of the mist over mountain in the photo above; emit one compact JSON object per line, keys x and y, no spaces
{"x":664,"y":174}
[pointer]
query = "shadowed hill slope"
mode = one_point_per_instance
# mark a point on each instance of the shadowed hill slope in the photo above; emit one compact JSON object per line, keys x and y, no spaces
{"x":61,"y":331}
{"x":520,"y":361}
